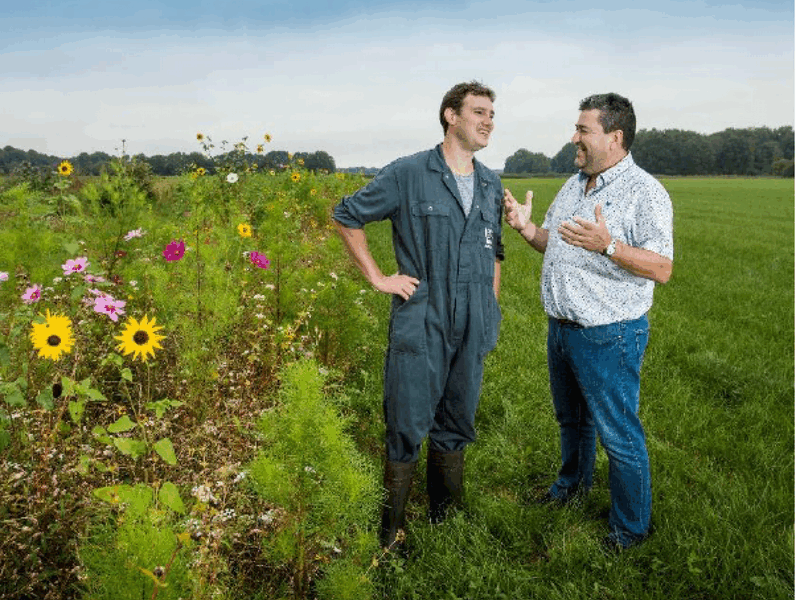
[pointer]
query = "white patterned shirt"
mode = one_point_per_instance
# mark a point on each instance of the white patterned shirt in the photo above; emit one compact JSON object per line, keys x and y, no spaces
{"x":589,"y":288}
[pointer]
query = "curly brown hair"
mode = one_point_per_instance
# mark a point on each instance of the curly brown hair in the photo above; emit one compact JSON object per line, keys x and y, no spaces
{"x":454,"y":98}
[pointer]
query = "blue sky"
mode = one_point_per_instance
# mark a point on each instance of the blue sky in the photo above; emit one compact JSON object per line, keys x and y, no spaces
{"x":363,"y":80}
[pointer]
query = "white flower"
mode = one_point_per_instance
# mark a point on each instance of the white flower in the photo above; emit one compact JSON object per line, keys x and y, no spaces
{"x":135,"y":233}
{"x":203,"y":494}
{"x":3,"y":276}
{"x":232,"y":178}
{"x":267,"y":518}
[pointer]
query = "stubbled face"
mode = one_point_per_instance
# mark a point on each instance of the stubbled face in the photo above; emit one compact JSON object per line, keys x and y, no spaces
{"x":474,"y":123}
{"x":595,"y":150}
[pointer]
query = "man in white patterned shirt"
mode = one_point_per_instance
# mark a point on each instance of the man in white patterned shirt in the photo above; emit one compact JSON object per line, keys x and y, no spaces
{"x":606,"y":239}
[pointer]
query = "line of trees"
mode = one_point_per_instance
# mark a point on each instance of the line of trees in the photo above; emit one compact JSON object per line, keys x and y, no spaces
{"x":12,"y":160}
{"x":753,"y":151}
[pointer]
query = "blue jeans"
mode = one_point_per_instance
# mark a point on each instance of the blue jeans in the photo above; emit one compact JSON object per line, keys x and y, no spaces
{"x":595,"y":382}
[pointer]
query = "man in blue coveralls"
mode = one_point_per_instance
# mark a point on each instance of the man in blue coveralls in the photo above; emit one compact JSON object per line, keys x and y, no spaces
{"x":445,"y":208}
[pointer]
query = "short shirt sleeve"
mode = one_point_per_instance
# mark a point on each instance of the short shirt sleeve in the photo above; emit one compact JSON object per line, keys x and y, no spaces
{"x":653,"y":226}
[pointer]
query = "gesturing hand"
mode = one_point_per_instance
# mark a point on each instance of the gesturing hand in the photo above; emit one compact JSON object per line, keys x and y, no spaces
{"x":585,"y":234}
{"x":517,"y":215}
{"x":400,"y":285}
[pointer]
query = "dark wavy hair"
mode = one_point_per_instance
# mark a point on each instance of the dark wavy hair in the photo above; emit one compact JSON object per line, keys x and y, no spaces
{"x":454,"y":98}
{"x":616,"y":112}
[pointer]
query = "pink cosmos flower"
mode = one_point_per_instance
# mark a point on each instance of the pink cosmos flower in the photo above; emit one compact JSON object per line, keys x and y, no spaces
{"x":259,"y":260}
{"x":174,"y":250}
{"x":3,"y":276}
{"x":107,"y":305}
{"x":75,"y":266}
{"x":93,"y":278}
{"x":32,"y":294}
{"x":135,"y":233}
{"x":88,"y":301}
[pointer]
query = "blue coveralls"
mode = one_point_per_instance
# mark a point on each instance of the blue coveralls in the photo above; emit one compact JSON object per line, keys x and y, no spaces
{"x":441,"y":334}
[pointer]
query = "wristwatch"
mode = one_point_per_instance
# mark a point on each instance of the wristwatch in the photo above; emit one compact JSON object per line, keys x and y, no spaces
{"x":610,"y":248}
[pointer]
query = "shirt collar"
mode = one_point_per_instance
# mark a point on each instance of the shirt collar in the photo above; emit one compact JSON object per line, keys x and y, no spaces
{"x":611,"y":174}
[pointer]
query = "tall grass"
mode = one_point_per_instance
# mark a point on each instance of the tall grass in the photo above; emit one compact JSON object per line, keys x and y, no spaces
{"x":717,"y":405}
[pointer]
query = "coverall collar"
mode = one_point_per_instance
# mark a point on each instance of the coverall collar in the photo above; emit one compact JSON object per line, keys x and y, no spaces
{"x":436,"y":162}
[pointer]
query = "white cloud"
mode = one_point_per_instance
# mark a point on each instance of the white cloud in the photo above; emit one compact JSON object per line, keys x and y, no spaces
{"x":367,"y":90}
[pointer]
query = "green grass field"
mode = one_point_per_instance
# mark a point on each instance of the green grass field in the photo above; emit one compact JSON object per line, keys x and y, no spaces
{"x":717,"y":405}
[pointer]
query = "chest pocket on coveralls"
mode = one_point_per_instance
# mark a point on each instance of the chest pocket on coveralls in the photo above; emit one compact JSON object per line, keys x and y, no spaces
{"x":435,"y":222}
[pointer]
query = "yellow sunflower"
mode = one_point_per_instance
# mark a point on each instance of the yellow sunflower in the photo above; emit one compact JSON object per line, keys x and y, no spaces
{"x":295,"y":176}
{"x":53,"y":337}
{"x":267,"y":137}
{"x":139,"y":338}
{"x":65,"y":168}
{"x":200,"y":171}
{"x":200,"y":136}
{"x":260,"y":148}
{"x":245,"y":230}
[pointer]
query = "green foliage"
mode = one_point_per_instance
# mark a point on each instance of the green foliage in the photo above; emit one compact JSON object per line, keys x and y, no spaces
{"x":752,"y":151}
{"x":141,"y":551}
{"x":523,"y":161}
{"x":721,"y":353}
{"x":310,"y":469}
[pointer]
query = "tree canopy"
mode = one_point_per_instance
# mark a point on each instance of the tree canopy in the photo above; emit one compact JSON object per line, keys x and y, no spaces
{"x":752,"y":151}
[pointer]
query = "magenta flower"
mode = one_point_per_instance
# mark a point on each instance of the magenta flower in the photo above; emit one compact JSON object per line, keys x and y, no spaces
{"x":3,"y":276}
{"x":75,"y":266}
{"x":32,"y":294}
{"x":109,"y":306}
{"x":259,"y":260}
{"x":135,"y":233}
{"x":93,"y":278}
{"x":174,"y":250}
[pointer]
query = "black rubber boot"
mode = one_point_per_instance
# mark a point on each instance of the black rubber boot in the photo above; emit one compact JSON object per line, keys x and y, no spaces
{"x":397,"y":480}
{"x":445,"y":482}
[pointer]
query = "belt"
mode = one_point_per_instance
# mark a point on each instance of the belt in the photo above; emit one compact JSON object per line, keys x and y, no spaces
{"x":568,"y":323}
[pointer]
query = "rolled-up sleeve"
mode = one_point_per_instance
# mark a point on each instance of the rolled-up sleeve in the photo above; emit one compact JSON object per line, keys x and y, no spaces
{"x":377,"y":201}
